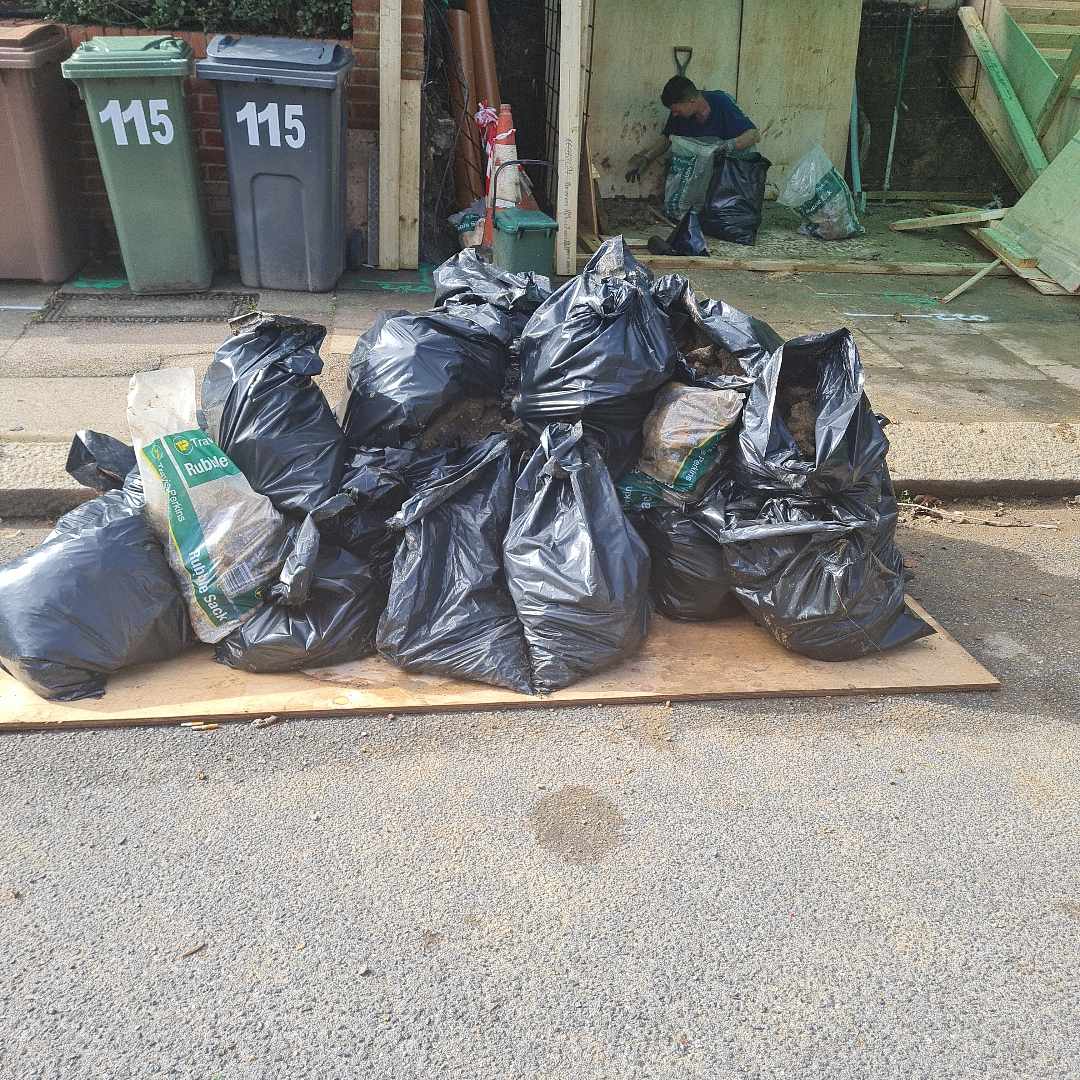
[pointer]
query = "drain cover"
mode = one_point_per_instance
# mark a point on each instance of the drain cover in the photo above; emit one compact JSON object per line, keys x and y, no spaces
{"x":178,"y":308}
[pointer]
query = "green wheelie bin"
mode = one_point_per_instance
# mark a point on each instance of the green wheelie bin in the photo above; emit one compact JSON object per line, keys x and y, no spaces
{"x":134,"y":92}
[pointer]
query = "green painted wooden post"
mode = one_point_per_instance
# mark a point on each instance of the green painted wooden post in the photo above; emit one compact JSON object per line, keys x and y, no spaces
{"x":1059,"y":91}
{"x":999,"y":80}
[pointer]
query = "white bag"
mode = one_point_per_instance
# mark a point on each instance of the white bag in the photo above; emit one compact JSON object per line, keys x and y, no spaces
{"x":225,"y":542}
{"x":818,"y":193}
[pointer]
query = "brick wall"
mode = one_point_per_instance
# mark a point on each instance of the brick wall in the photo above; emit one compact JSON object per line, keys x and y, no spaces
{"x":363,"y":111}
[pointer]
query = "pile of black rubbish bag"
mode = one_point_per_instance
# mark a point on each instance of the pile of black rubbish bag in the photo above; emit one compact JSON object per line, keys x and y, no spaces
{"x":529,"y":557}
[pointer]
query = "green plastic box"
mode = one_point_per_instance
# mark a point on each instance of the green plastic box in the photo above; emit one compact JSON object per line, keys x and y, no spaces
{"x":134,"y":93}
{"x":524,"y":240}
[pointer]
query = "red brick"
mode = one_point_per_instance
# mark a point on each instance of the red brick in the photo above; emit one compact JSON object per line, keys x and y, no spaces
{"x":367,"y":58}
{"x":367,"y":77}
{"x":366,"y":6}
{"x":412,"y":25}
{"x":366,"y":39}
{"x":218,"y":205}
{"x":412,"y":9}
{"x":365,"y":23}
{"x":211,"y":138}
{"x":216,"y":187}
{"x":212,"y":155}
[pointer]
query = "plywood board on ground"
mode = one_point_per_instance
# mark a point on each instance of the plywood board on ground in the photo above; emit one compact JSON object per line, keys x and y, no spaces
{"x":679,"y":662}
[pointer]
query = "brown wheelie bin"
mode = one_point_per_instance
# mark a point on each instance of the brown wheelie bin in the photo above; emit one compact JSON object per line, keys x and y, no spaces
{"x":38,"y":229}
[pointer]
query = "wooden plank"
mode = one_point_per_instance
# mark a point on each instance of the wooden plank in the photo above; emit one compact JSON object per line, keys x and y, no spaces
{"x":389,"y":134}
{"x":409,"y":209}
{"x":964,"y":217}
{"x":588,"y":216}
{"x":1035,"y":278}
{"x":965,"y":285}
{"x":796,"y":71}
{"x":631,"y":61}
{"x":570,"y":125}
{"x":999,"y":80}
{"x":1060,"y":89}
{"x":1044,"y":11}
{"x":808,"y":266}
{"x":927,"y":196}
{"x":1005,"y":248}
{"x":589,"y":241}
{"x":731,"y":658}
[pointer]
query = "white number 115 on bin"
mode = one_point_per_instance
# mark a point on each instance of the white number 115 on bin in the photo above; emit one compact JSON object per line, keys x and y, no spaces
{"x":293,"y":125}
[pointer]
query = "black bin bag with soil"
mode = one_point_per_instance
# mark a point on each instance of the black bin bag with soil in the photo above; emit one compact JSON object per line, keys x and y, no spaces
{"x":809,"y":521}
{"x":96,"y":596}
{"x":597,"y":351}
{"x":732,"y":209}
{"x":410,"y":367}
{"x":577,"y":570}
{"x":689,"y":579}
{"x":324,"y":611}
{"x":723,"y":345}
{"x":466,"y":279}
{"x":449,"y":612}
{"x":263,"y":409}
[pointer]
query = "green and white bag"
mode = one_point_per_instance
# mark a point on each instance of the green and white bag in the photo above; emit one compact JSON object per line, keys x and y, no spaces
{"x":225,"y":542}
{"x":819,"y":195}
{"x":685,"y":437}
{"x":689,"y":173}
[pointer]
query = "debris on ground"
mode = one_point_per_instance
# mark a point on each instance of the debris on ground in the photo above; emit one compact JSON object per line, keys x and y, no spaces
{"x":958,"y":517}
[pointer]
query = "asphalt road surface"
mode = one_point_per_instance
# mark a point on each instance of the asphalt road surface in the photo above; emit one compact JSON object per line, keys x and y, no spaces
{"x":862,"y":887}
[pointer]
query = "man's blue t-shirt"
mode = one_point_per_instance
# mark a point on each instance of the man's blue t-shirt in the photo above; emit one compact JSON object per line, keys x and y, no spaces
{"x":726,"y":119}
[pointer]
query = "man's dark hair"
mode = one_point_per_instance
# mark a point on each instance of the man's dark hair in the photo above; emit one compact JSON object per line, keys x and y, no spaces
{"x":678,"y":88}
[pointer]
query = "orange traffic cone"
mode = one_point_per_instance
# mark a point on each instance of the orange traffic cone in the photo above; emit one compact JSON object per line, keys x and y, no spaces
{"x":513,"y":183}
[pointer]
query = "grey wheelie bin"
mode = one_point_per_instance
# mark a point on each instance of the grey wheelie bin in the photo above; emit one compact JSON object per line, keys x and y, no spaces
{"x":282,"y":107}
{"x":39,"y":236}
{"x":134,"y":92}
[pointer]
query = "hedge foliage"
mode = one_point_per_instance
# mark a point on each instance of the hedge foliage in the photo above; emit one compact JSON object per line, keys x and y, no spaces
{"x":305,"y":18}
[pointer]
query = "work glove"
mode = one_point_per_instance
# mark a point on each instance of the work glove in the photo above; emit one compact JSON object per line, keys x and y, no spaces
{"x":726,"y":146}
{"x":637,"y":164}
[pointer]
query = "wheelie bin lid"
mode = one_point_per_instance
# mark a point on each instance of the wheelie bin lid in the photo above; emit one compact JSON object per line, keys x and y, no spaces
{"x":32,"y":44}
{"x":111,"y":57}
{"x":279,"y":61}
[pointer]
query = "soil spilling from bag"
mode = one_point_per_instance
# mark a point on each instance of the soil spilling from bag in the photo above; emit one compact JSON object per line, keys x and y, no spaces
{"x":796,"y":406}
{"x":466,"y":422}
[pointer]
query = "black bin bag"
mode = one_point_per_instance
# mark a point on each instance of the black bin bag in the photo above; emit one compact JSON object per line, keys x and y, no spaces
{"x":410,"y":366}
{"x":689,"y":580}
{"x":714,"y":332}
{"x":325,"y":610}
{"x":809,"y":540}
{"x":597,"y":351}
{"x":466,"y":279}
{"x":577,"y":570}
{"x":96,"y":596}
{"x":449,"y":612}
{"x":732,"y":209}
{"x":263,"y":409}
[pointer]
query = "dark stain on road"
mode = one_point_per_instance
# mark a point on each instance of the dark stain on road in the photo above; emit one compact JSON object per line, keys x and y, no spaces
{"x":577,"y":824}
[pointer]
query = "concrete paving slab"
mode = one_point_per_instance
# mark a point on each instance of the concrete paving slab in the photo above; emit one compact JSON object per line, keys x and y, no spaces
{"x":943,"y":399}
{"x":33,"y":482}
{"x":301,"y":304}
{"x":104,"y":349}
{"x":357,"y":311}
{"x":204,"y":307}
{"x":13,"y":325}
{"x":23,"y":293}
{"x":40,"y":409}
{"x":975,"y":357}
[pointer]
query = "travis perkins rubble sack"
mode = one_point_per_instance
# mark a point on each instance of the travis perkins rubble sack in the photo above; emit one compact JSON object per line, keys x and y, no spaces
{"x":225,"y":542}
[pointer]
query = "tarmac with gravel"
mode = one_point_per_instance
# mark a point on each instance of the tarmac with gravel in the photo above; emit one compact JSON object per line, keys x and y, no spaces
{"x":850,"y":888}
